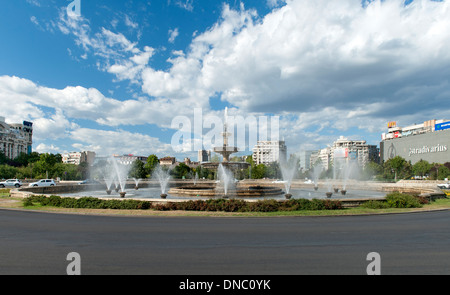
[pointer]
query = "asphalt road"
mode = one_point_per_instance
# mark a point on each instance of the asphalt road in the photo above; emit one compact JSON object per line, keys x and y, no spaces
{"x":38,"y":243}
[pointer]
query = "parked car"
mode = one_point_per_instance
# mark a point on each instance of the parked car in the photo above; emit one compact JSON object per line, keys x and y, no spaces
{"x":43,"y":182}
{"x":11,"y":182}
{"x":444,"y":185}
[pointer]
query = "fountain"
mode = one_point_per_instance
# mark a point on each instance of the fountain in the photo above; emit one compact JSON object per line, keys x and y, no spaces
{"x":329,"y":188}
{"x":108,"y":182}
{"x":163,"y":178}
{"x":225,"y":172}
{"x":226,"y":181}
{"x":136,"y":181}
{"x":315,"y":176}
{"x":121,"y":176}
{"x":288,"y":173}
{"x":348,"y":169}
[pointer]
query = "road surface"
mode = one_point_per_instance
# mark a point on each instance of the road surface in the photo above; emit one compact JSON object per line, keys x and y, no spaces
{"x":38,"y":243}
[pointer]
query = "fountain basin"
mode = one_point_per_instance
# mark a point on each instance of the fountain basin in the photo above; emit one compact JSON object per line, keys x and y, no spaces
{"x":329,"y":195}
{"x":212,"y":191}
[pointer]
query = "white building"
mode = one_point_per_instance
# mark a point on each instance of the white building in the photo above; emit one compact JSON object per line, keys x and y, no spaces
{"x":346,"y":150}
{"x":15,"y":138}
{"x":321,"y":157}
{"x":77,"y":158}
{"x":266,"y":152}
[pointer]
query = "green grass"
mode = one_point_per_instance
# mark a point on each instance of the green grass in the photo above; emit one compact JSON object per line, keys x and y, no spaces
{"x":5,"y":192}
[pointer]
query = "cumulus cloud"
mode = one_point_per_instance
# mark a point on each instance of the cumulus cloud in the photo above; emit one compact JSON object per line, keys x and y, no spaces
{"x":105,"y":142}
{"x":321,"y":64}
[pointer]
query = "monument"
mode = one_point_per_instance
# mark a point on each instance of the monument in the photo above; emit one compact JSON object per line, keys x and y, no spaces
{"x":226,"y":151}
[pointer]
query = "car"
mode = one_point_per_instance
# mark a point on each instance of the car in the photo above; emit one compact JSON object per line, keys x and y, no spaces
{"x":89,"y":181}
{"x":444,"y":185}
{"x":43,"y":182}
{"x":11,"y":182}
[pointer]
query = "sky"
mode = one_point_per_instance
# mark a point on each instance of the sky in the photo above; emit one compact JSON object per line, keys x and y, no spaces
{"x":111,"y":76}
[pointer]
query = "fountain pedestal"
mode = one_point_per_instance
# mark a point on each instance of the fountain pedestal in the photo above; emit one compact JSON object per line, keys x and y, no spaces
{"x":288,"y":196}
{"x":122,"y":194}
{"x":163,"y":196}
{"x":329,"y":195}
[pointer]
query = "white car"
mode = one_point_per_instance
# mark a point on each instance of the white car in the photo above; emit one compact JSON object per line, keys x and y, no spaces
{"x":444,"y":185}
{"x":43,"y":182}
{"x":11,"y":182}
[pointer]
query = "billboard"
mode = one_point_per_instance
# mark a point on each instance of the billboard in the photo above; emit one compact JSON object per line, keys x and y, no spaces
{"x":442,"y":126}
{"x":341,"y":153}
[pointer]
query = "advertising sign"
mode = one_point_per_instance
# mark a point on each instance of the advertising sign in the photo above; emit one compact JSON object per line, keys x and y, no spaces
{"x":341,"y":153}
{"x":442,"y":126}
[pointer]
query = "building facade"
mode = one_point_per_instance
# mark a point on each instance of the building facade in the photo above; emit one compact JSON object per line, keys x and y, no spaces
{"x":355,"y":150}
{"x":343,"y":151}
{"x":15,"y":138}
{"x":204,"y":156}
{"x":429,"y":141}
{"x":266,"y":152}
{"x":129,"y":159}
{"x":77,"y":158}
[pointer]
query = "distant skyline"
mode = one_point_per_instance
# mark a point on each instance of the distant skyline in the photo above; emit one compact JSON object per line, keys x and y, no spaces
{"x":112,"y":79}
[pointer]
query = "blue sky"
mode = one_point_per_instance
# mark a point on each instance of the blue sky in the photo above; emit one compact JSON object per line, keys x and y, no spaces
{"x":112,"y":79}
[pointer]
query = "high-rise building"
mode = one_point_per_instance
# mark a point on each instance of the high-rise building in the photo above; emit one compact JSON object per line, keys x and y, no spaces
{"x":305,"y":160}
{"x":346,"y":150}
{"x":15,"y":138}
{"x":204,"y":156}
{"x":266,"y":152}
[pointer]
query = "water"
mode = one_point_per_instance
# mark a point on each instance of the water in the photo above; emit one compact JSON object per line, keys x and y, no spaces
{"x":121,"y":173}
{"x":297,"y":193}
{"x":288,"y":173}
{"x":163,"y":177}
{"x":136,"y":181}
{"x":226,"y":179}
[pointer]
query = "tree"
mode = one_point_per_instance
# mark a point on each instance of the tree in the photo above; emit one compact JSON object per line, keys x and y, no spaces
{"x":397,"y":163}
{"x":259,"y":171}
{"x":152,"y":162}
{"x":181,"y":170}
{"x":138,"y":170}
{"x":421,"y":168}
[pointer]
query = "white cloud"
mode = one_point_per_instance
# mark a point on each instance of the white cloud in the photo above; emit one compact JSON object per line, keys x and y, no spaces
{"x":117,"y":142}
{"x":173,"y":34}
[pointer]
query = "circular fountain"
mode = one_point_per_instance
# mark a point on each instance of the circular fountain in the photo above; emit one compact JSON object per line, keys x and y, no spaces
{"x":225,"y":187}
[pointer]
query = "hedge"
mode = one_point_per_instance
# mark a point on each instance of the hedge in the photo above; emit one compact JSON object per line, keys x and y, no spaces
{"x":226,"y":205}
{"x":396,"y":200}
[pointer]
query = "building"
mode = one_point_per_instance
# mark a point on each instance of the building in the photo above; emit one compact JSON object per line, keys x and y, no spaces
{"x":129,"y":159}
{"x":321,"y":157}
{"x":77,"y":158}
{"x":345,"y":150}
{"x":204,"y":156}
{"x":15,"y":138}
{"x":305,"y":159}
{"x":429,"y":141}
{"x":266,"y":152}
{"x":167,"y":161}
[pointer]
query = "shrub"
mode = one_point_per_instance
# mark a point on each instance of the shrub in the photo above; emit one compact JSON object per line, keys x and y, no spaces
{"x":398,"y":200}
{"x":27,"y":202}
{"x":372,"y":204}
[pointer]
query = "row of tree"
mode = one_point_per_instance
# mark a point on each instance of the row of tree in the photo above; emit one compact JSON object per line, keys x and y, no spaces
{"x":37,"y":166}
